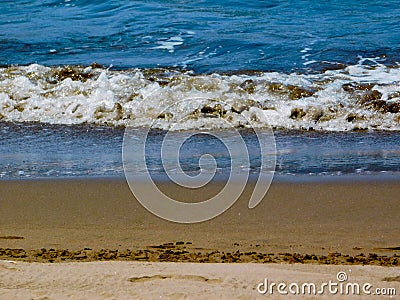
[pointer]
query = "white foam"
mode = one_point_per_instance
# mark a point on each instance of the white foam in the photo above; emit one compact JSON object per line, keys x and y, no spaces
{"x":169,"y":44}
{"x":186,"y":101}
{"x":309,"y":62}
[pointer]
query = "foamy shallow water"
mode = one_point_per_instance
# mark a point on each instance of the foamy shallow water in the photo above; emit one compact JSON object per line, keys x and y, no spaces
{"x":365,"y":96}
{"x":49,"y":151}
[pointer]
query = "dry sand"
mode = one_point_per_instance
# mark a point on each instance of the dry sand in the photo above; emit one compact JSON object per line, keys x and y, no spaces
{"x":137,"y":280}
{"x":340,"y":222}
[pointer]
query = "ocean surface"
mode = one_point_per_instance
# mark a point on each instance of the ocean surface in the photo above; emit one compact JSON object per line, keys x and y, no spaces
{"x":324,"y":75}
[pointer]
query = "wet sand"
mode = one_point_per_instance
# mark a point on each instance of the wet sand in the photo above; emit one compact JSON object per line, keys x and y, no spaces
{"x":349,"y":217}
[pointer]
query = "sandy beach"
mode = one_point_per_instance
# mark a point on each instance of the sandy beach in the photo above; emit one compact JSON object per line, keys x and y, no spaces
{"x":87,"y":228}
{"x":141,"y":280}
{"x":209,"y":99}
{"x":305,"y":217}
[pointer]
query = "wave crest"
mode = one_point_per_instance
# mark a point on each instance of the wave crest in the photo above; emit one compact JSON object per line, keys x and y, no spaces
{"x":356,"y":97}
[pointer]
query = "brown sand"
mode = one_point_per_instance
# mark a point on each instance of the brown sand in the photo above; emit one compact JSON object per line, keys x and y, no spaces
{"x":307,"y":218}
{"x":314,"y":223}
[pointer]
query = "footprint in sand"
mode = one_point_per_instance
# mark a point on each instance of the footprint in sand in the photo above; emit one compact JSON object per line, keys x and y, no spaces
{"x":179,"y":277}
{"x":8,"y":264}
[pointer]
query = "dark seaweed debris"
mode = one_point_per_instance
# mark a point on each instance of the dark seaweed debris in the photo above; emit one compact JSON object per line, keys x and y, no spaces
{"x":185,"y":252}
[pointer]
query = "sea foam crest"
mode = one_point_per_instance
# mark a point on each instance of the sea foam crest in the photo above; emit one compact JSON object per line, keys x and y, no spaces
{"x":362,"y":96}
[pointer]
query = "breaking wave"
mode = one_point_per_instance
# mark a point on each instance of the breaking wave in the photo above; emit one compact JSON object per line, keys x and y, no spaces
{"x":365,"y":96}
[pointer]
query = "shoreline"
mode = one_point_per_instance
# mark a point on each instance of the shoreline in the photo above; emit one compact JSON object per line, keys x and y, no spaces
{"x":277,"y":178}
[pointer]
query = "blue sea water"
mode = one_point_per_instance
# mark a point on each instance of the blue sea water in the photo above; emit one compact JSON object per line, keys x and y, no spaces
{"x":323,"y":64}
{"x":205,"y":36}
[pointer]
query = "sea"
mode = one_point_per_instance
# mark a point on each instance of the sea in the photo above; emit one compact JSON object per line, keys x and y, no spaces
{"x":75,"y":76}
